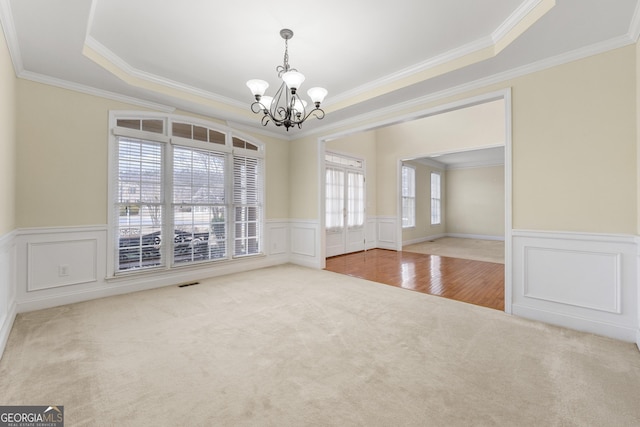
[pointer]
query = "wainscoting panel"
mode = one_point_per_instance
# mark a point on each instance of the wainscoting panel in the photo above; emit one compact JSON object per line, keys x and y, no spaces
{"x":7,"y":287}
{"x":371,"y":233}
{"x":53,"y":264}
{"x":549,"y":271}
{"x":277,"y":236}
{"x":64,"y":265}
{"x":578,"y":280}
{"x":305,"y":241}
{"x":387,"y":232}
{"x":59,"y":261}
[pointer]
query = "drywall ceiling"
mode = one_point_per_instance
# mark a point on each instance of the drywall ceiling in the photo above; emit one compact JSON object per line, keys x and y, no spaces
{"x":371,"y":55}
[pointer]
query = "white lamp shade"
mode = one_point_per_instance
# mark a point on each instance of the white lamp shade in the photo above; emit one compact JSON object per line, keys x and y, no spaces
{"x":317,"y":94}
{"x":299,"y":105}
{"x":266,"y":102}
{"x":293,"y":79}
{"x":257,"y":87}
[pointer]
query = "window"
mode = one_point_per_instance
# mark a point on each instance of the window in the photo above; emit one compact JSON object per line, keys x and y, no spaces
{"x":180,"y":194}
{"x":436,"y":199}
{"x":408,"y":196}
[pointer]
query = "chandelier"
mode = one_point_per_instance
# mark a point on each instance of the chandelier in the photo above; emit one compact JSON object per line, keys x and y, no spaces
{"x":286,"y":108}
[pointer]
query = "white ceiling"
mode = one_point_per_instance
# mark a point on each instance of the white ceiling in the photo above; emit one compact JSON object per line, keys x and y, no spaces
{"x":371,"y":55}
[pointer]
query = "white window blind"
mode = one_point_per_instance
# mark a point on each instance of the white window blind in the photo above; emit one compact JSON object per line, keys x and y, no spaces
{"x":247,"y":204}
{"x":139,"y":204}
{"x":199,"y":211}
{"x":182,"y":193}
{"x":408,"y":196}
{"x":436,"y":200}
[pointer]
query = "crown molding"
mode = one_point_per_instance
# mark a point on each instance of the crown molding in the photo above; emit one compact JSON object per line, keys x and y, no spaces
{"x":497,"y":78}
{"x":427,"y":161}
{"x":136,"y":74}
{"x":514,"y":19}
{"x":474,"y":165}
{"x":10,"y":34}
{"x":65,"y":84}
{"x":634,"y":26}
{"x":487,"y":47}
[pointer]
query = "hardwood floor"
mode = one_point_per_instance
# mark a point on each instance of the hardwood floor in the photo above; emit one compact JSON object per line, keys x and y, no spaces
{"x":474,"y":282}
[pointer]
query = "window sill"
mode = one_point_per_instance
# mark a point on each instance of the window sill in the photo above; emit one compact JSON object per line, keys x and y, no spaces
{"x":162,"y":271}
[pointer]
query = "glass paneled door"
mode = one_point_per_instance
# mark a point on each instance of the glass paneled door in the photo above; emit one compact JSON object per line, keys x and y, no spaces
{"x":344,"y":205}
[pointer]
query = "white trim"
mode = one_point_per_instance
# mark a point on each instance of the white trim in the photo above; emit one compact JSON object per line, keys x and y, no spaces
{"x":514,"y":19}
{"x":305,"y":238}
{"x":59,"y":230}
{"x":457,"y":235}
{"x":126,"y":68}
{"x":88,"y":90}
{"x":423,"y":239}
{"x":578,"y":236}
{"x":7,"y":287}
{"x":486,"y":42}
{"x":634,"y":27}
{"x":475,"y":236}
{"x":576,"y":322}
{"x":11,"y":36}
{"x":584,"y":281}
{"x":6,"y":324}
{"x":463,"y":88}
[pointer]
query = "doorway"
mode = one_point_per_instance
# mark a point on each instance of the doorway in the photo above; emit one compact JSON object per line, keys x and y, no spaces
{"x":381,"y":144}
{"x":344,"y":204}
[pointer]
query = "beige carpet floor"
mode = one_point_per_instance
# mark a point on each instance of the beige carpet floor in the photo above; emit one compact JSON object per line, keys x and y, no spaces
{"x":455,"y":247}
{"x":292,"y":346}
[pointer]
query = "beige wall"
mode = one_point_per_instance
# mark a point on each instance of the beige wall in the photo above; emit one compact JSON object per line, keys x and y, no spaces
{"x":475,"y":201}
{"x":475,"y":127}
{"x":8,"y":83}
{"x":574,"y":148}
{"x":62,"y":159}
{"x":361,"y":145}
{"x":574,"y":152}
{"x":304,"y":186}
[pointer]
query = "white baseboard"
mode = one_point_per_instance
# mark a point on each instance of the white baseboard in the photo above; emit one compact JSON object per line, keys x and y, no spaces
{"x":6,"y":323}
{"x":141,"y":282}
{"x":577,"y":323}
{"x":7,"y":287}
{"x":422,"y":239}
{"x":475,"y":236}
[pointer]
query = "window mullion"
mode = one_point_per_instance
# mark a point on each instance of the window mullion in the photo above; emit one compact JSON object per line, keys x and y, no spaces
{"x":230,"y":205}
{"x":168,"y":217}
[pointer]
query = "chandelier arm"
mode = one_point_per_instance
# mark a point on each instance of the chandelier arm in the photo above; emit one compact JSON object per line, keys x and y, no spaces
{"x":316,"y":112}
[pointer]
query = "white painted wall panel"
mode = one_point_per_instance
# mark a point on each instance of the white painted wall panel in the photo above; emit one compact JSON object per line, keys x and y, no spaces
{"x":54,"y":264}
{"x":584,"y":279}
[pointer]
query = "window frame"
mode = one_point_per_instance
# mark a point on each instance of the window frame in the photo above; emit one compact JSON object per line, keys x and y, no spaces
{"x":436,"y":211}
{"x":230,"y":148}
{"x":411,"y":216}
